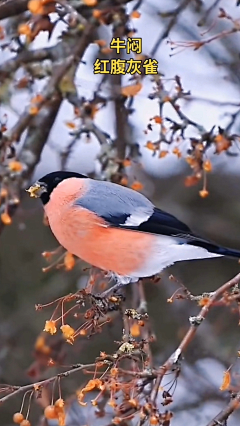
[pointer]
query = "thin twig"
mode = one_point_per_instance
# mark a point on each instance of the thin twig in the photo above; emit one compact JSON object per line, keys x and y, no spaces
{"x":222,"y":417}
{"x":173,"y":359}
{"x":37,"y":385}
{"x":165,"y":33}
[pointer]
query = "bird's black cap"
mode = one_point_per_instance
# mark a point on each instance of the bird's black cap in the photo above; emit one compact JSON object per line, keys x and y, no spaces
{"x":44,"y":186}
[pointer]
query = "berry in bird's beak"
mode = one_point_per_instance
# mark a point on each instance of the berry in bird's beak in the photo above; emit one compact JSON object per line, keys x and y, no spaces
{"x":36,"y":190}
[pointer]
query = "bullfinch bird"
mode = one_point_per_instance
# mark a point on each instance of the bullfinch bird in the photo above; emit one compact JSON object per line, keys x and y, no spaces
{"x":116,"y":228}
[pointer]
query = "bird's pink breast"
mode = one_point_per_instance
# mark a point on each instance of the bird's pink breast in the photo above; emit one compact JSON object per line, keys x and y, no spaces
{"x":86,"y":235}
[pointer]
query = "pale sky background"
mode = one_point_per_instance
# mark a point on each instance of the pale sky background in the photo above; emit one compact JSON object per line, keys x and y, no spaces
{"x":198,"y":73}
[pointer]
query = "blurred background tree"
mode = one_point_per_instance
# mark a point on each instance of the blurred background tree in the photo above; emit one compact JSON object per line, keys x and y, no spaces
{"x":173,"y":136}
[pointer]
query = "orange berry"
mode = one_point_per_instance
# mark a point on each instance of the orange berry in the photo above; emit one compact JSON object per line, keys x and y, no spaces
{"x":62,"y":419}
{"x":97,"y":13}
{"x":112,"y":403}
{"x":191,"y":180}
{"x":59,"y":403}
{"x":114,"y":372}
{"x":15,"y":166}
{"x":203,"y":193}
{"x":2,"y":33}
{"x":157,"y":119}
{"x":69,"y":261}
{"x":135,"y":330}
{"x":6,"y":219}
{"x":36,"y":99}
{"x":137,"y":186}
{"x":50,"y":327}
{"x":47,"y":255}
{"x":90,"y":2}
{"x":24,"y":29}
{"x":190,"y":160}
{"x":35,"y":7}
{"x":40,"y":7}
{"x":68,"y":333}
{"x":40,"y":346}
{"x":25,"y":422}
{"x":117,"y":420}
{"x":207,"y":165}
{"x":3,"y":193}
{"x":150,"y":145}
{"x":127,"y":162}
{"x":124,"y":181}
{"x":135,"y":14}
{"x":131,"y":90}
{"x":70,"y":124}
{"x":154,"y":420}
{"x":204,"y":301}
{"x":50,"y":412}
{"x":163,"y":154}
{"x":200,"y":147}
{"x":133,"y":402}
{"x":33,"y":110}
{"x":40,"y":342}
{"x":18,"y":418}
{"x":222,"y":143}
{"x":167,"y":99}
{"x":177,"y":152}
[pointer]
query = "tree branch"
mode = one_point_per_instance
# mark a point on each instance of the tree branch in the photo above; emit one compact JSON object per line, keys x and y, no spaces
{"x":28,"y":56}
{"x":10,"y":8}
{"x":37,"y":385}
{"x":222,"y":417}
{"x":37,"y":135}
{"x":174,"y":17}
{"x":195,"y":323}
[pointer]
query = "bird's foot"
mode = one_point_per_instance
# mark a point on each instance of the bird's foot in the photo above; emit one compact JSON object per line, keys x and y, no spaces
{"x":112,"y":291}
{"x":119,"y":283}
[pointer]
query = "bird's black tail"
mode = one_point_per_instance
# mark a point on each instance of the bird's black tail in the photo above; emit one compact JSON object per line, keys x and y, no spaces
{"x":214,"y":248}
{"x":228,"y":252}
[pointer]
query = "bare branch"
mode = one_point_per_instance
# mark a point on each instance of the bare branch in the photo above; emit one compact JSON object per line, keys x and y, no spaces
{"x":38,"y":385}
{"x":28,"y":56}
{"x":173,"y":359}
{"x":10,"y":8}
{"x":37,"y":135}
{"x":222,"y":417}
{"x":174,"y":17}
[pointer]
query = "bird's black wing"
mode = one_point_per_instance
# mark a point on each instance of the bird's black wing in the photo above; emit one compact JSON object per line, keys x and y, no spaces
{"x":164,"y":223}
{"x":161,"y":222}
{"x":123,"y":208}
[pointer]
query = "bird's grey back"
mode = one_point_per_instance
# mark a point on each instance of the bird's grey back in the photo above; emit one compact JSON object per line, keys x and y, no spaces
{"x":114,"y":202}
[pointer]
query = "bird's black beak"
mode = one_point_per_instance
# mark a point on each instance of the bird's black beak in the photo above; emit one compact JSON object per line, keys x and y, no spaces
{"x":37,"y":189}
